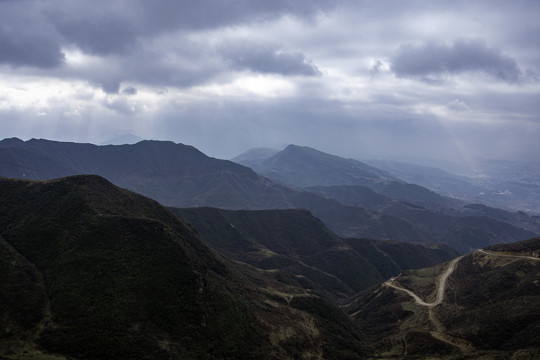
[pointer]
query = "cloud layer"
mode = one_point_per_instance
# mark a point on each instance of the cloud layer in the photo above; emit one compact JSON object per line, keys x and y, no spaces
{"x":432,"y":59}
{"x":361,"y":79}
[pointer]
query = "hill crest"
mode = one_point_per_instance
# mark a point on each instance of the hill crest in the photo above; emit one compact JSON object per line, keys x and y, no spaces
{"x":92,"y":271}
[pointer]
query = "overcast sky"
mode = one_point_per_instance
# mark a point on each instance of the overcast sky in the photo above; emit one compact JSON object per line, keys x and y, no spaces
{"x":365,"y":79}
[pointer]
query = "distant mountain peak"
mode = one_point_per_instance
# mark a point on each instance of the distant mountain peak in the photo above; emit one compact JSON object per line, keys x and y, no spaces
{"x":122,"y":140}
{"x":303,"y":166}
{"x":293,"y":147}
{"x":258,"y":153}
{"x":254,"y":157}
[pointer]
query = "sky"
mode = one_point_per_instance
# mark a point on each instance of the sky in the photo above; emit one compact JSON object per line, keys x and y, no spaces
{"x":451,"y":80}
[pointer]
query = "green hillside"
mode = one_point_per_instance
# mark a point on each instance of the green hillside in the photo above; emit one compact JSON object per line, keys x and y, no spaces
{"x":96,"y":272}
{"x":300,"y":246}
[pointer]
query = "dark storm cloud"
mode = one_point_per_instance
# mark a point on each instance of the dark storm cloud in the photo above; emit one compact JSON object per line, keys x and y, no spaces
{"x":209,"y":14}
{"x":23,"y":49}
{"x":110,"y":86}
{"x":188,"y":64}
{"x":149,"y":42}
{"x":108,"y":27}
{"x":104,"y":35}
{"x":430,"y":59}
{"x":268,"y":60}
{"x":130,"y":90}
{"x":117,"y":27}
{"x":181,"y":70}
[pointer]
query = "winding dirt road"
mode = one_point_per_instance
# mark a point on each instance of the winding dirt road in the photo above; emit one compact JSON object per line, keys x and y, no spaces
{"x":442,"y":279}
{"x":441,"y":288}
{"x":463,"y":345}
{"x":508,"y":255}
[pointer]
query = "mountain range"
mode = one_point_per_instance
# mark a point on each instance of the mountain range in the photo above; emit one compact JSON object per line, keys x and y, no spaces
{"x":182,"y":176}
{"x":173,"y":174}
{"x":302,"y":167}
{"x":93,"y":271}
{"x":353,"y":183}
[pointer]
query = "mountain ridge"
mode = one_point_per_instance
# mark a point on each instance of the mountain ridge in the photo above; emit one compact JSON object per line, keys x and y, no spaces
{"x":277,"y":168}
{"x":304,"y":167}
{"x":180,"y":175}
{"x":296,"y":242}
{"x":93,"y":271}
{"x":168,"y":172}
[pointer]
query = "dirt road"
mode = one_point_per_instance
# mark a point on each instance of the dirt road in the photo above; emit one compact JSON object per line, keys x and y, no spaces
{"x":508,"y":255}
{"x":439,"y":332}
{"x":441,"y":286}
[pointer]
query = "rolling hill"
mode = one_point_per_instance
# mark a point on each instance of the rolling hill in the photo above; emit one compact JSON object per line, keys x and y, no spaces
{"x":482,"y":305}
{"x":299,"y":245}
{"x":92,"y":271}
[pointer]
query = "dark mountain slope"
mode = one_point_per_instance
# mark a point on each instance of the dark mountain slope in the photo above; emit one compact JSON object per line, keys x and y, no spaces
{"x":519,"y":218}
{"x":23,"y":299}
{"x":472,"y":227}
{"x":362,"y":196}
{"x":173,"y":174}
{"x":353,"y":221}
{"x":355,"y":195}
{"x":489,"y":307}
{"x":91,"y":271}
{"x":21,"y":163}
{"x":391,"y":257}
{"x":289,"y":240}
{"x":295,"y":242}
{"x":529,"y":247}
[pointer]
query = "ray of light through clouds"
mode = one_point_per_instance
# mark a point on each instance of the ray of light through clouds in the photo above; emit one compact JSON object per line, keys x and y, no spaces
{"x":356,"y":78}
